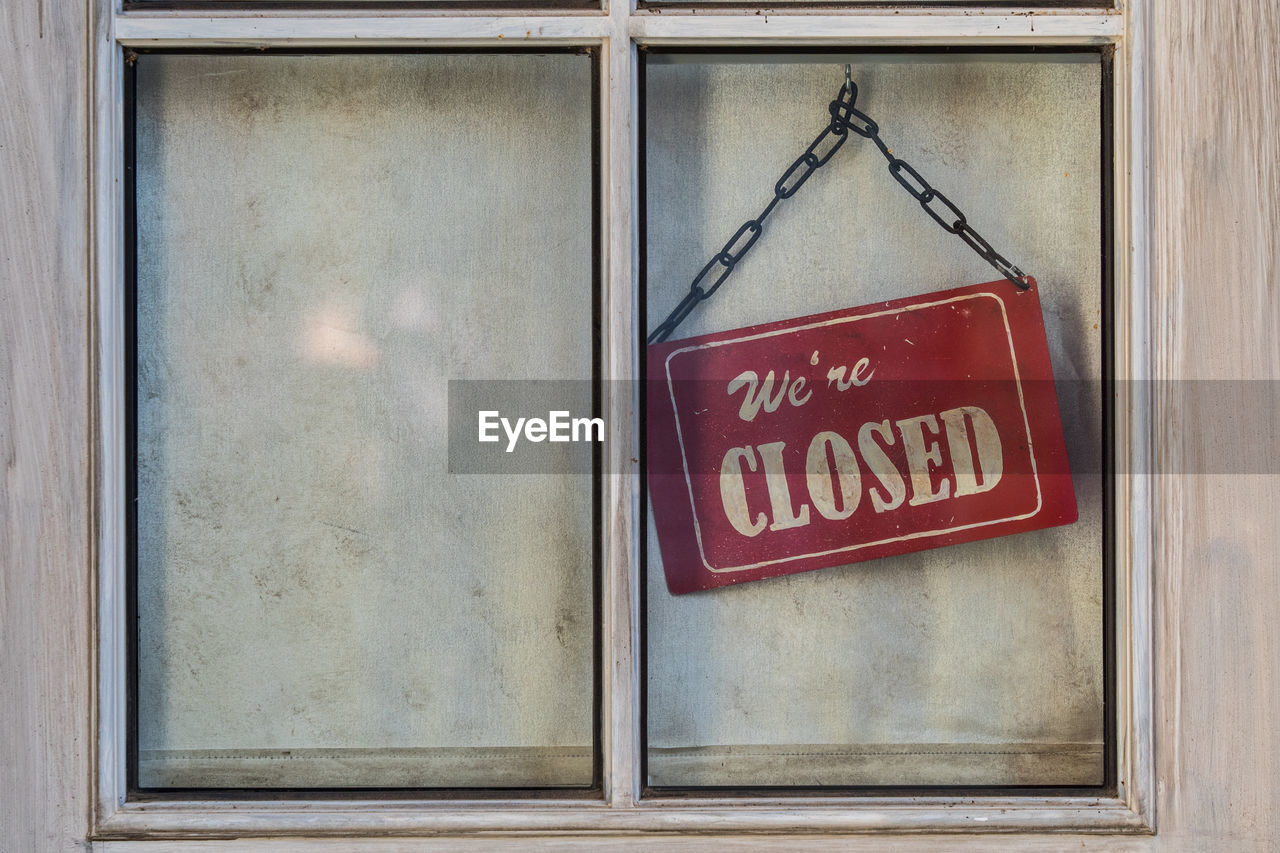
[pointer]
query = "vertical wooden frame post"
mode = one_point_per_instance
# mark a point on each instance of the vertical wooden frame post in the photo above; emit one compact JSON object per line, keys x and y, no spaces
{"x":1135,"y":422}
{"x":623,"y":338}
{"x":110,"y":711}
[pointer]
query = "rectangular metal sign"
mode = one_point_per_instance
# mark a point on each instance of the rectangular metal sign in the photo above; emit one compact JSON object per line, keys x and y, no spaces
{"x":858,"y":434}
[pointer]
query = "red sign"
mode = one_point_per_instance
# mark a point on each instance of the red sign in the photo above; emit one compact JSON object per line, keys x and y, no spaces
{"x":843,"y":437}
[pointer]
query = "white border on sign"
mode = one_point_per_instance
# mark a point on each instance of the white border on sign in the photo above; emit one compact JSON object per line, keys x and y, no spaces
{"x":1013,"y":357}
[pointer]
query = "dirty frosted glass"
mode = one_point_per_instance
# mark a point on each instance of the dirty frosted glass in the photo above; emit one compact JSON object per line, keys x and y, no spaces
{"x":323,"y":242}
{"x":1034,"y":4}
{"x":977,"y":664}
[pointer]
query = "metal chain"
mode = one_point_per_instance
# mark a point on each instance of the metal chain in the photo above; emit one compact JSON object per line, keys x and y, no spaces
{"x":844,"y":118}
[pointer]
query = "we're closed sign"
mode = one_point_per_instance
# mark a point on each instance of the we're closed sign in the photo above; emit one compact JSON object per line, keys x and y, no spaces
{"x":842,"y":437}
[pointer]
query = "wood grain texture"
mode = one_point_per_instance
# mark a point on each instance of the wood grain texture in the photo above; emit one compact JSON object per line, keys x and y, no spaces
{"x":842,"y":26}
{"x":1214,"y":102}
{"x":890,"y":28}
{"x":1215,"y":268}
{"x":665,"y":843}
{"x":44,"y":358}
{"x":620,"y":677}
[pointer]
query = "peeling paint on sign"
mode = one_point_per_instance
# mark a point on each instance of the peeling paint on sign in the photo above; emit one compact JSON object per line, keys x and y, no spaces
{"x":843,"y":437}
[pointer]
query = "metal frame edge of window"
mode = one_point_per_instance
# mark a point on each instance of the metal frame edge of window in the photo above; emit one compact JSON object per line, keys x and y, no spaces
{"x":618,"y":32}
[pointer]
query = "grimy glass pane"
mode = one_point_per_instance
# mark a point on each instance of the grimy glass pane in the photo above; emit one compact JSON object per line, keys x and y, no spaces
{"x":324,"y":242}
{"x":398,"y":5}
{"x":976,"y":664}
{"x":1033,"y":4}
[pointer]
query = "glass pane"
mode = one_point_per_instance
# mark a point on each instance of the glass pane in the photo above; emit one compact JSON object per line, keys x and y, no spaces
{"x":973,"y":664}
{"x":367,"y":5}
{"x":324,"y":242}
{"x":1035,"y":4}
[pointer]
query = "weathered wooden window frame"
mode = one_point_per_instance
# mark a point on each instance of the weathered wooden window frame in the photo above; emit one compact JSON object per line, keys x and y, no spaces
{"x":618,"y":30}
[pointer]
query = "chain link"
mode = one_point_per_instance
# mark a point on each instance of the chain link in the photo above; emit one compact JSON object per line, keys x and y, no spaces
{"x":845,"y":117}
